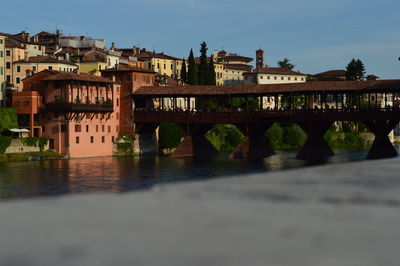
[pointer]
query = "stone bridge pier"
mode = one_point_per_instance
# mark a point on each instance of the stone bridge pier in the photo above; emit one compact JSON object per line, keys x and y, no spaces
{"x":254,"y":144}
{"x":315,"y":146}
{"x":381,"y":147}
{"x":195,"y":142}
{"x":145,"y":139}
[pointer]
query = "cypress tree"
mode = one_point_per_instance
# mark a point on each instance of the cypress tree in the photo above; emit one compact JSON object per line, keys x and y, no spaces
{"x":183,"y":72}
{"x":192,"y":70}
{"x":203,"y":66}
{"x":355,"y":70}
{"x":212,"y":80}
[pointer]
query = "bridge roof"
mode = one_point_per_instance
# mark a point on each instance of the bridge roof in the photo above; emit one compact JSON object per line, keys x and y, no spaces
{"x":256,"y":89}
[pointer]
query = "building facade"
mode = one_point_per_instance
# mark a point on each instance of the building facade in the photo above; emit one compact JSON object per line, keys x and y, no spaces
{"x":130,"y":79}
{"x":2,"y":68}
{"x":80,"y":115}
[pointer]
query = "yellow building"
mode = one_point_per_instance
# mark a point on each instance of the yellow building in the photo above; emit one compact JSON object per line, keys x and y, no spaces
{"x":2,"y":68}
{"x":161,"y":63}
{"x":92,"y":68}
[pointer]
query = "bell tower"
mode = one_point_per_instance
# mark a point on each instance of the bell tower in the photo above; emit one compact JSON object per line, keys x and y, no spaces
{"x":259,"y":59}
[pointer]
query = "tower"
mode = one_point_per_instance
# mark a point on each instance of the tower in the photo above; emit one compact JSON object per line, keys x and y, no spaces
{"x":259,"y":59}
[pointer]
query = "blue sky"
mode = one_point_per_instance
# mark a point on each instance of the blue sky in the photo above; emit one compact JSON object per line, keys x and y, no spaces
{"x":316,"y":35}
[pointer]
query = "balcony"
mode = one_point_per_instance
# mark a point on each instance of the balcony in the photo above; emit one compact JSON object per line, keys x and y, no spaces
{"x":80,"y":108}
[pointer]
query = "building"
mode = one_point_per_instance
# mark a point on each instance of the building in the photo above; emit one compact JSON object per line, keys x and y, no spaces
{"x":233,"y":73}
{"x":224,"y":58}
{"x":160,"y":63}
{"x":28,"y":66}
{"x":264,"y":74}
{"x":130,"y":79}
{"x":81,"y":42}
{"x":331,"y":75}
{"x":79,"y":113}
{"x":2,"y":68}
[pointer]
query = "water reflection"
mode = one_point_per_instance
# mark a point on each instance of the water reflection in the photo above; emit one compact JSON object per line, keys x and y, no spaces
{"x":119,"y":174}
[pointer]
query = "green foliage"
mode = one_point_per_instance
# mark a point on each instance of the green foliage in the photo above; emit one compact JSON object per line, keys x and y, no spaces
{"x":35,"y":142}
{"x":183,"y":72}
{"x":203,"y":66}
{"x":5,"y":142}
{"x":225,"y":137}
{"x":17,"y":157}
{"x":192,"y":70}
{"x":355,"y":70}
{"x":170,"y":135}
{"x":348,"y":136}
{"x":285,"y":64}
{"x":211,"y":73}
{"x":285,"y":136}
{"x":8,"y":118}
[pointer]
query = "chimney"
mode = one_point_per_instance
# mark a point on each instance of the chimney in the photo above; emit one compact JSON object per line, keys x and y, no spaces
{"x":259,"y":59}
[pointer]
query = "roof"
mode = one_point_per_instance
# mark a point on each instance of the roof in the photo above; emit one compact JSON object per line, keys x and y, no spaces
{"x":12,"y":44}
{"x":16,"y":38}
{"x":124,"y":68}
{"x":276,"y":71}
{"x":317,"y":86}
{"x":233,"y":57}
{"x":17,"y":130}
{"x":62,"y":76}
{"x":147,"y":54}
{"x":45,"y":60}
{"x":238,"y":67}
{"x":332,"y":73}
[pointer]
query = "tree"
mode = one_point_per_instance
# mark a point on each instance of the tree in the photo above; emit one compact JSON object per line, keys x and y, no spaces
{"x":203,"y":66}
{"x":212,"y":80}
{"x":355,"y":70}
{"x":285,"y":64}
{"x":183,"y":72}
{"x":192,"y":70}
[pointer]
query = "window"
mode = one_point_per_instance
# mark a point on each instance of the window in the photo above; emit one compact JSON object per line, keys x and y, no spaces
{"x":18,"y":80}
{"x":302,"y":79}
{"x":117,"y":102}
{"x":26,"y":103}
{"x":165,"y":66}
{"x":78,"y":128}
{"x":268,"y":77}
{"x":87,"y":128}
{"x":288,"y":78}
{"x":77,"y":140}
{"x":117,"y":115}
{"x":295,"y":78}
{"x":18,"y":69}
{"x":1,"y":41}
{"x":261,"y":77}
{"x":1,"y":70}
{"x":8,"y":65}
{"x":50,"y":68}
{"x":91,"y":139}
{"x":8,"y":53}
{"x":8,"y":78}
{"x":102,"y":128}
{"x":274,"y":78}
{"x":281,"y":78}
{"x":97,"y":128}
{"x":34,"y":68}
{"x":103,"y":139}
{"x":109,"y":129}
{"x":113,"y":139}
{"x":117,"y":129}
{"x":1,"y":54}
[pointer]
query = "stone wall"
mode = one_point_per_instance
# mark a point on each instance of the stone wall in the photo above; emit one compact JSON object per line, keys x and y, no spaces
{"x":18,"y":146}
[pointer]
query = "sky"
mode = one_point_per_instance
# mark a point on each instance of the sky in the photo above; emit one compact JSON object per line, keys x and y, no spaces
{"x":316,"y":35}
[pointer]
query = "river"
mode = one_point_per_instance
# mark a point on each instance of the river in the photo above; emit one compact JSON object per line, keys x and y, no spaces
{"x":121,"y":174}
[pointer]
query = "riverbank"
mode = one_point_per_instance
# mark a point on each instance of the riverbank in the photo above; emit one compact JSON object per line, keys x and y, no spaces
{"x":30,"y":156}
{"x":343,"y":214}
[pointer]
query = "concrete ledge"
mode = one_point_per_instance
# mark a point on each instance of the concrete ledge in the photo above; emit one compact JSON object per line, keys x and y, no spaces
{"x":345,"y":214}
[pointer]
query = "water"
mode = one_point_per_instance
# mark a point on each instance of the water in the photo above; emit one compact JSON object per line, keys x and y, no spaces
{"x":120,"y":174}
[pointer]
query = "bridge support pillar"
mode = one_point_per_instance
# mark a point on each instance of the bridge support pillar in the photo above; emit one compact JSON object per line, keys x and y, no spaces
{"x":254,"y":145}
{"x":145,"y":139}
{"x":316,"y":146}
{"x":195,"y":142}
{"x":381,"y":147}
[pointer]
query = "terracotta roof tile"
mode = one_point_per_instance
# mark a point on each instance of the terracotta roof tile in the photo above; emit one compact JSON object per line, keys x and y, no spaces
{"x":124,"y":68}
{"x":272,"y":88}
{"x":45,"y":60}
{"x":77,"y":77}
{"x":276,"y":71}
{"x":238,"y":67}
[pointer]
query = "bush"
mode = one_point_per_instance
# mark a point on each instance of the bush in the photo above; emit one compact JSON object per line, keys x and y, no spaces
{"x":170,"y":135}
{"x":8,"y":118}
{"x":225,"y":137}
{"x":5,"y":142}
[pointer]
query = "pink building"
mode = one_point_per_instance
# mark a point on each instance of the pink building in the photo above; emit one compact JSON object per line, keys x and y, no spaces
{"x":80,"y":114}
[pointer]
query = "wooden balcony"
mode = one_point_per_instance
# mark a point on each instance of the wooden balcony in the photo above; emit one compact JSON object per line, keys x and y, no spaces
{"x":80,"y":108}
